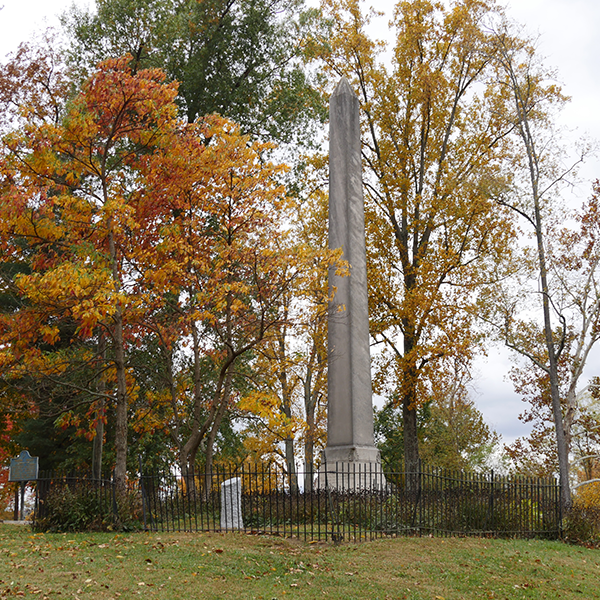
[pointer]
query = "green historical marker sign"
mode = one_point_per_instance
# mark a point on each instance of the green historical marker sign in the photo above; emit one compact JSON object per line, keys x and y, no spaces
{"x":23,"y":468}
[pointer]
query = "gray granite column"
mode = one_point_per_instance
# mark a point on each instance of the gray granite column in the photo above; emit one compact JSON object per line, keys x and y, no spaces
{"x":350,"y":409}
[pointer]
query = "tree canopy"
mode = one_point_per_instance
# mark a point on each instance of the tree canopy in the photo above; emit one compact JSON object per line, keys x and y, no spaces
{"x":242,"y":59}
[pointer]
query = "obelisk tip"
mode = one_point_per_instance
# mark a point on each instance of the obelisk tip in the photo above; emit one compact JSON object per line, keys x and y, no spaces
{"x":343,"y":87}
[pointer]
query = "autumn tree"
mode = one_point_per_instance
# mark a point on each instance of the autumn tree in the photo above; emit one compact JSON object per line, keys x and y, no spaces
{"x":240,"y":59}
{"x":288,"y":402}
{"x":220,"y":250}
{"x":34,"y":86}
{"x":66,"y":203}
{"x":571,"y":258}
{"x":151,"y":227}
{"x":540,"y":172}
{"x":433,"y":125}
{"x":312,"y":375}
{"x":535,"y":455}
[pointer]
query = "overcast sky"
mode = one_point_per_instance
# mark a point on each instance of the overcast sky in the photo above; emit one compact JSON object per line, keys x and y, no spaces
{"x":569,"y":41}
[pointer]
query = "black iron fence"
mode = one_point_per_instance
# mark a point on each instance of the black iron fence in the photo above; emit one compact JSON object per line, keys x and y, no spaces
{"x":349,"y":505}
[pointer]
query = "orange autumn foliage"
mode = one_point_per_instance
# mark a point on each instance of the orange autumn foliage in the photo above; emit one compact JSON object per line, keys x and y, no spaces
{"x":135,"y":225}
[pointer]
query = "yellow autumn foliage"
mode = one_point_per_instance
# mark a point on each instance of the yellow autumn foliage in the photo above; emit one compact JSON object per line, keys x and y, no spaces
{"x":588,"y":495}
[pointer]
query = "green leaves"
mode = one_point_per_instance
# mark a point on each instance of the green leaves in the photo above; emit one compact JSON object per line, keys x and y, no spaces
{"x":242,"y":59}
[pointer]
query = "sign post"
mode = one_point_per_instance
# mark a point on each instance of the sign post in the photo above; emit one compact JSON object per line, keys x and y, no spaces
{"x":24,"y":468}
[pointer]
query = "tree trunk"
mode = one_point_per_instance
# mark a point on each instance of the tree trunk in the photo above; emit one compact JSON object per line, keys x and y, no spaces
{"x":291,"y":465}
{"x":118,"y":341}
{"x":309,"y":458}
{"x":122,"y":405}
{"x":311,"y":404}
{"x":309,"y":440}
{"x":411,"y":443}
{"x":97,"y":447}
{"x":561,"y":439}
{"x":412,"y":463}
{"x":199,"y":426}
{"x":212,"y":436}
{"x":286,"y":404}
{"x":98,"y":443}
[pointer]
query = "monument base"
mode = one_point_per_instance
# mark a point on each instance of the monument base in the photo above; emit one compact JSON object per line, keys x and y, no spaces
{"x":351,"y":468}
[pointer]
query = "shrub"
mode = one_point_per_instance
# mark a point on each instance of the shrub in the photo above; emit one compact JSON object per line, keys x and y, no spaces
{"x":81,"y":506}
{"x":581,"y":524}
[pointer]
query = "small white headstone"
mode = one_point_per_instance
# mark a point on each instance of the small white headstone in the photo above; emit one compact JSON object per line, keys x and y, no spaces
{"x":231,"y":504}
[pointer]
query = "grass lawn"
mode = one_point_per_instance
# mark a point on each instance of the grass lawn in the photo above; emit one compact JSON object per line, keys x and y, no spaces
{"x":238,"y":566}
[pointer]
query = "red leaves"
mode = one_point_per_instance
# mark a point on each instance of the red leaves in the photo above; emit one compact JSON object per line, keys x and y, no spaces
{"x":118,"y":104}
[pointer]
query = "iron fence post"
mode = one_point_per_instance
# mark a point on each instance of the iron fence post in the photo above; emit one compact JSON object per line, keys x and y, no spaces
{"x":560,"y":509}
{"x":143,"y":492}
{"x":115,"y":507}
{"x":492,"y":521}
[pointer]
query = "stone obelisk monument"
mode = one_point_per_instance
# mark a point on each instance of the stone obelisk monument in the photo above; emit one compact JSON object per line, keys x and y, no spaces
{"x":350,"y":447}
